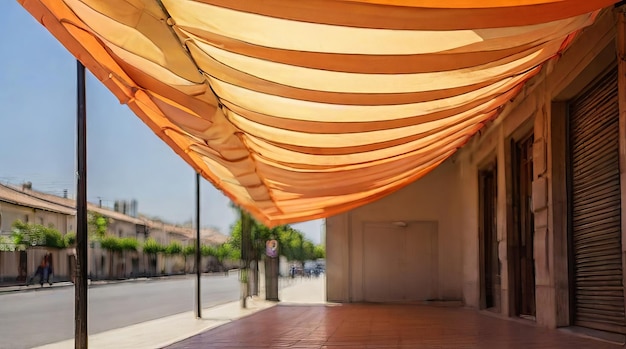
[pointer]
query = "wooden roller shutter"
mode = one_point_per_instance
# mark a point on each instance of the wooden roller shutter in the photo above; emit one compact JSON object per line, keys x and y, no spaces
{"x":596,"y":208}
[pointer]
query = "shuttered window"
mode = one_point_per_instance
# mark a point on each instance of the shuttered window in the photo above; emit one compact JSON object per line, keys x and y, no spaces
{"x":596,"y":207}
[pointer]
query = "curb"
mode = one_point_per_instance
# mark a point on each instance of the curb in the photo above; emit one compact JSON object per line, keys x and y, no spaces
{"x":90,"y":284}
{"x":33,"y":287}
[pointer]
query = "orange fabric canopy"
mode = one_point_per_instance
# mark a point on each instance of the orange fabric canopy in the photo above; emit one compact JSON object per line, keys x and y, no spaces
{"x":299,"y":110}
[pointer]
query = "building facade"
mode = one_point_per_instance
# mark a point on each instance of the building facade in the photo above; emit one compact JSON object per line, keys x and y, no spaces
{"x":31,"y":206}
{"x":526,"y":219}
{"x":19,"y":204}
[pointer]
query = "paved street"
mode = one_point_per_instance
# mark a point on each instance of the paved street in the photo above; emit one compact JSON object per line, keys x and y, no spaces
{"x":33,"y":318}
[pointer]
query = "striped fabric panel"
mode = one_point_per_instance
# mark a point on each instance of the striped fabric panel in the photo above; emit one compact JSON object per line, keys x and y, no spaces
{"x":300,"y":110}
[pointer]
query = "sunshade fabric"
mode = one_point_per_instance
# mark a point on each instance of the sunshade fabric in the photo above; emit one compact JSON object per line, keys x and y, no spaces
{"x":299,"y":110}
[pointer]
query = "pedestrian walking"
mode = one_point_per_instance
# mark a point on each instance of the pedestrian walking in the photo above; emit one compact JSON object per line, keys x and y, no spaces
{"x":49,"y":269}
{"x":39,"y":272}
{"x":292,"y":271}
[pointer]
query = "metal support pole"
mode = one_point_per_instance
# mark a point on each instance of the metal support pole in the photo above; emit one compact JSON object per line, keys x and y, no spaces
{"x":198,"y":259}
{"x":246,"y":236}
{"x":80,"y":287}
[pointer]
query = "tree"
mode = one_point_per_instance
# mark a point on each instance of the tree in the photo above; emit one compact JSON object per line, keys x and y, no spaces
{"x":226,"y":251}
{"x":189,"y":250}
{"x":319,"y":252}
{"x":208,"y":251}
{"x":52,"y":237}
{"x":259,"y":234}
{"x":308,"y":250}
{"x":25,"y":235}
{"x":174,"y":248}
{"x":70,"y":239}
{"x":97,"y":225}
{"x":18,"y":240}
{"x":205,"y":251}
{"x":6,"y":244}
{"x":151,"y":247}
{"x":292,"y":243}
{"x":249,"y":237}
{"x":111,"y":244}
{"x":127,"y":244}
{"x":118,"y":246}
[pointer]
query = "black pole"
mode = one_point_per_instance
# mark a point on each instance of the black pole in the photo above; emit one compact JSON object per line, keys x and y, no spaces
{"x":198,"y":259}
{"x":246,"y":248}
{"x":80,"y":287}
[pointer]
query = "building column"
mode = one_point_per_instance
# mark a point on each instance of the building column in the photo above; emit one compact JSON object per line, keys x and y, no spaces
{"x":545,"y":296}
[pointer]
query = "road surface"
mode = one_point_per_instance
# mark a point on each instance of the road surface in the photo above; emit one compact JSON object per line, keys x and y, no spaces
{"x":33,"y":318}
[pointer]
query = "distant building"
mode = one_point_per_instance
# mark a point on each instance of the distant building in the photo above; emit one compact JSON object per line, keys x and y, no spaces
{"x":31,"y":206}
{"x":19,"y":204}
{"x":124,"y":221}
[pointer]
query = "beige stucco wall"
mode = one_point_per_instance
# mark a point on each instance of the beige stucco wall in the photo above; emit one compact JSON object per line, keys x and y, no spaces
{"x":60,"y":222}
{"x":121,"y":228}
{"x":11,"y":213}
{"x":434,"y":198}
{"x":159,"y":235}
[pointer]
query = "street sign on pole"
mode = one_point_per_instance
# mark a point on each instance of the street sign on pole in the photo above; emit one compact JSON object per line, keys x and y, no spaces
{"x":271,"y":248}
{"x":271,"y":270}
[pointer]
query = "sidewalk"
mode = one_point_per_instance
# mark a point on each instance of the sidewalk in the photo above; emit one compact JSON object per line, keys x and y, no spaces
{"x":168,"y":330}
{"x":33,"y":287}
{"x":434,"y":325}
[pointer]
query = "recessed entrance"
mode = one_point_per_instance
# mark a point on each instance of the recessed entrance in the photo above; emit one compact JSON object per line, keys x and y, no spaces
{"x":522,"y":245}
{"x":595,"y":208}
{"x":399,"y":261}
{"x":489,"y":262}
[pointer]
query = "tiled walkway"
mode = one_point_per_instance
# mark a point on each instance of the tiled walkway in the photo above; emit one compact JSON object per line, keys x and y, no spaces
{"x":382,"y":326}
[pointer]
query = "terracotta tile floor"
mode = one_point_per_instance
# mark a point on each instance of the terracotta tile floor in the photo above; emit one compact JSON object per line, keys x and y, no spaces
{"x":382,"y":326}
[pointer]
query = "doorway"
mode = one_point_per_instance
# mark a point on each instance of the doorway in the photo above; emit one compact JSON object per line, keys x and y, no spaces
{"x":400,"y":261}
{"x":489,"y":261}
{"x":523,"y":261}
{"x":23,"y":267}
{"x":595,"y":207}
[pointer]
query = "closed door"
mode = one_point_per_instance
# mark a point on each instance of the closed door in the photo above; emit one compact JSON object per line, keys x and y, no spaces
{"x":595,"y":208}
{"x":523,"y":260}
{"x":490,"y":264}
{"x":399,"y":261}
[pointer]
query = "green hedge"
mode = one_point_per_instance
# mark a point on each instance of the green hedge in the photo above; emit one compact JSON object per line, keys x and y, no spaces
{"x":151,"y":246}
{"x":31,"y":234}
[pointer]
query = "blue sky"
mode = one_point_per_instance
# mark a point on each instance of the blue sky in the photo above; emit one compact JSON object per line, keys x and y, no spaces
{"x":125,"y":159}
